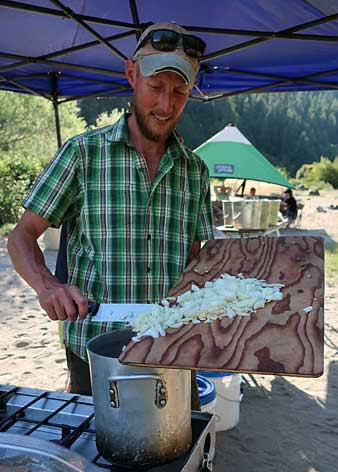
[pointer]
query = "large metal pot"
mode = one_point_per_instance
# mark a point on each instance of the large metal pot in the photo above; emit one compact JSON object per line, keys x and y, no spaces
{"x":265,"y":213}
{"x":227,"y":212}
{"x":247,"y":214}
{"x":251,"y":214}
{"x":274,"y":209}
{"x":142,"y":415}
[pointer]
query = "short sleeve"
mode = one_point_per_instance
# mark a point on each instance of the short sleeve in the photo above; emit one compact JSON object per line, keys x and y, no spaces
{"x":56,"y":193}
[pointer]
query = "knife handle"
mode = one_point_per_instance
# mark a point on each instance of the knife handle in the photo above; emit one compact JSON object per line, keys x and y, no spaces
{"x":93,"y":308}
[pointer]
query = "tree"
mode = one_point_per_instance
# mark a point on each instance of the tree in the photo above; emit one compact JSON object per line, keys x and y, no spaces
{"x":107,"y":119}
{"x":27,"y":143}
{"x":27,"y":125}
{"x":319,"y":172}
{"x":290,"y":129}
{"x":17,"y":174}
{"x":91,"y":108}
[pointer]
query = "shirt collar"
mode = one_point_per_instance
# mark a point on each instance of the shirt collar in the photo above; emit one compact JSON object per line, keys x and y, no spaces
{"x":119,"y":133}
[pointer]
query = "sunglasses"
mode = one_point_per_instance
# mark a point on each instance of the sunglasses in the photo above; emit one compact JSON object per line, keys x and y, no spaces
{"x":168,"y":40}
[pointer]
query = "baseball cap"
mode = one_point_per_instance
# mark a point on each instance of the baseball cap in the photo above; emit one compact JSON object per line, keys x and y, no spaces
{"x":153,"y":61}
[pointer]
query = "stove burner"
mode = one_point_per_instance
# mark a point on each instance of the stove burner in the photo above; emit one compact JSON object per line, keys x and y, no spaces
{"x":68,"y":420}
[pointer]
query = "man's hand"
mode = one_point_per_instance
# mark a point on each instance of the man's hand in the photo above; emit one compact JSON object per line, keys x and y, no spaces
{"x":60,"y":301}
{"x":64,"y":302}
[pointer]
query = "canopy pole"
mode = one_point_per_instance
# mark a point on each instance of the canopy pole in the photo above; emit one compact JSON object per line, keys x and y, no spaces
{"x":57,"y":123}
{"x":54,"y":80}
{"x":242,"y":186}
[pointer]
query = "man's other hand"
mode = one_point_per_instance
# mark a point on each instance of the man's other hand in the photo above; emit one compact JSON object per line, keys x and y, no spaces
{"x":64,"y":302}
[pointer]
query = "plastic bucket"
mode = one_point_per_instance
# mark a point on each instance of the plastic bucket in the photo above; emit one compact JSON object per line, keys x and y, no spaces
{"x":228,"y":397}
{"x":207,"y":394}
{"x":208,"y":399}
{"x":51,"y":238}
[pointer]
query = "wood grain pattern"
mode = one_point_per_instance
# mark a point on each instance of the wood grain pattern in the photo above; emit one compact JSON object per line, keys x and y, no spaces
{"x":279,"y":339}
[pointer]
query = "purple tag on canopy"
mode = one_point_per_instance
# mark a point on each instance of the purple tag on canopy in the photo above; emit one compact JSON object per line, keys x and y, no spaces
{"x":224,"y":168}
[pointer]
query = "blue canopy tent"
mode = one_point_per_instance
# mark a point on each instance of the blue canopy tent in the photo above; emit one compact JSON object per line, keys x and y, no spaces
{"x":71,"y":49}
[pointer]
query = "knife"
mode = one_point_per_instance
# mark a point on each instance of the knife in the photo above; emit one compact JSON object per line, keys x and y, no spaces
{"x":117,"y":311}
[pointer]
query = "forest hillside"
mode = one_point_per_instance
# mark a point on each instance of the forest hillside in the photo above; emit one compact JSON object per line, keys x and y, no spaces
{"x":290,"y":129}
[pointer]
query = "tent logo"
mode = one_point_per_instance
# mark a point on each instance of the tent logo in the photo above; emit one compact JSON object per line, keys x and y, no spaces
{"x":224,"y":168}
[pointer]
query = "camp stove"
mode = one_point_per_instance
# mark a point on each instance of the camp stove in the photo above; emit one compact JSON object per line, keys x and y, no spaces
{"x":68,"y":420}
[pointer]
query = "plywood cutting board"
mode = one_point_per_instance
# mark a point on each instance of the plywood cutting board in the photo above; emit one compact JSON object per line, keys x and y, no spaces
{"x":279,"y":339}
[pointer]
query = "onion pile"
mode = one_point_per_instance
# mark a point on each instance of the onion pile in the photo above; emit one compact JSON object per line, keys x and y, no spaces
{"x":227,"y":295}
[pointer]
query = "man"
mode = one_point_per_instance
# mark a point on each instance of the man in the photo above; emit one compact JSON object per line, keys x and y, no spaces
{"x":252,"y":193}
{"x":289,"y":207}
{"x":136,"y":201}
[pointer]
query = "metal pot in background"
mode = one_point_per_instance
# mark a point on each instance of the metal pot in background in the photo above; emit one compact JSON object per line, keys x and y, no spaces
{"x":247,"y":214}
{"x":142,"y":415}
{"x":237,"y":211}
{"x":265,"y":213}
{"x":250,"y":214}
{"x":227,"y":212}
{"x":274,"y":209}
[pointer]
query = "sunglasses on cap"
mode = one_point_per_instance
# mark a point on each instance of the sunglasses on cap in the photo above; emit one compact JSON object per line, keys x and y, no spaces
{"x":167,"y":40}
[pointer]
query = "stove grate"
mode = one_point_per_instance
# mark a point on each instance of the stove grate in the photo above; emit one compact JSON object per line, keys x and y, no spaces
{"x":69,"y":434}
{"x":68,"y":420}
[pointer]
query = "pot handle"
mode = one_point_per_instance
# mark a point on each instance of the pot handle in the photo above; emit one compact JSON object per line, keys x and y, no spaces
{"x":161,"y":395}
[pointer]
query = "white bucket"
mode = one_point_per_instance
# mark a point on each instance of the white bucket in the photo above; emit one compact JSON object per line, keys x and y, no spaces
{"x":208,"y":400}
{"x":228,"y":397}
{"x":51,"y":238}
{"x":207,"y":394}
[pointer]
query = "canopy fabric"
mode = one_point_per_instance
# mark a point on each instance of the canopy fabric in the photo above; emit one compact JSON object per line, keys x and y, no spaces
{"x":75,"y":48}
{"x":229,"y":154}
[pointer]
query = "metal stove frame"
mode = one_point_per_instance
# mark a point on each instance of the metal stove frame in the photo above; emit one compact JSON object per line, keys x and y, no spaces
{"x":68,"y":420}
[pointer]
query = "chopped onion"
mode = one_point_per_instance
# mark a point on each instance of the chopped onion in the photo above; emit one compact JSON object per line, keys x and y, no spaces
{"x":226,"y":296}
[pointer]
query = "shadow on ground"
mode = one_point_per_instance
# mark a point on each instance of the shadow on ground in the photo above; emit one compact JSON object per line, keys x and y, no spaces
{"x":282,"y":430}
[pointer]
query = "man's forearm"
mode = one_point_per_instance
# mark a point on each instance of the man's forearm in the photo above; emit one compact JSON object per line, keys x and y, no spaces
{"x":29,"y":262}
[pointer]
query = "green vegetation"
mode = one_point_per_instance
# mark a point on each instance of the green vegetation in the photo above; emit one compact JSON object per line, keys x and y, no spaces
{"x":27,"y":143}
{"x":92,"y":108}
{"x":27,"y":126}
{"x":6,"y":229}
{"x":290,"y":129}
{"x":17,"y":174}
{"x":107,"y":119}
{"x":323,"y":171}
{"x":331,"y":260}
{"x":293,"y":130}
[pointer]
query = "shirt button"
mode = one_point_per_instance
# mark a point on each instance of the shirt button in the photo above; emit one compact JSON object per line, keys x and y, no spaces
{"x":148,"y":269}
{"x":149,"y":236}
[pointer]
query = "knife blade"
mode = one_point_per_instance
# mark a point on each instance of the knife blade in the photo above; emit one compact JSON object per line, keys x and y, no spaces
{"x":117,"y":311}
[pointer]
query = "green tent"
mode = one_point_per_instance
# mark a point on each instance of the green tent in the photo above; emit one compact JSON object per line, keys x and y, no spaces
{"x":228,"y":154}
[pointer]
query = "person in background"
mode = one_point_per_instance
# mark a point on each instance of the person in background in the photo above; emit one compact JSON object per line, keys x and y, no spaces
{"x":136,"y":202}
{"x":252,"y":193}
{"x":225,"y":193}
{"x":288,"y":206}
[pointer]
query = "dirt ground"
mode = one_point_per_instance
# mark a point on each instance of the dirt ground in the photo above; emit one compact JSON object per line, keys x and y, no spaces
{"x":287,"y":424}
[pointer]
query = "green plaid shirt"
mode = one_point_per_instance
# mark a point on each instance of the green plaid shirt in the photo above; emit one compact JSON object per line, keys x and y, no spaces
{"x":128,"y":238}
